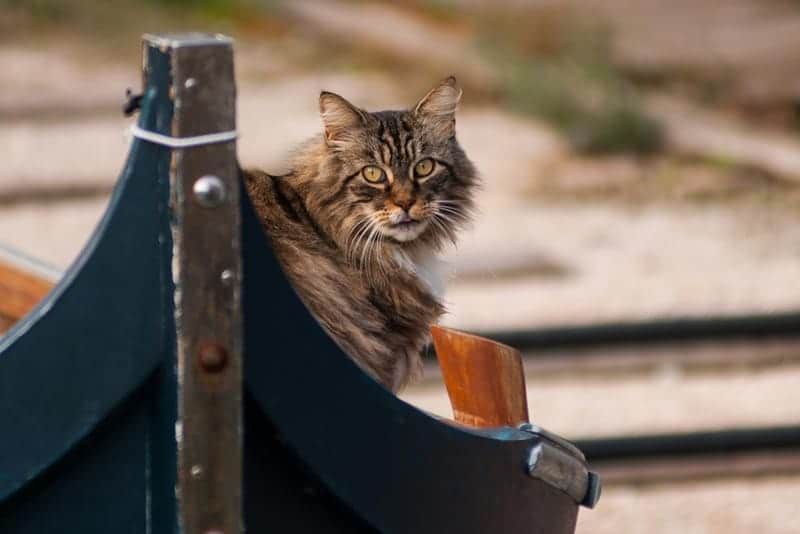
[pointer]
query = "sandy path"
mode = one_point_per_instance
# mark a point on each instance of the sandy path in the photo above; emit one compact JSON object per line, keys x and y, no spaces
{"x":766,"y":506}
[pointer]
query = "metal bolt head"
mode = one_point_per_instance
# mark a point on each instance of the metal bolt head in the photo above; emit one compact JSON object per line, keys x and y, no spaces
{"x":209,"y":191}
{"x":196,"y":471}
{"x":213,"y":357}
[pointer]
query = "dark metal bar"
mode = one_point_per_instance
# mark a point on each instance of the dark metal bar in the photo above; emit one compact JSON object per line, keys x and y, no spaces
{"x":666,"y":469}
{"x":695,"y":443}
{"x":656,"y":331}
{"x":737,"y":453}
{"x":207,"y":275}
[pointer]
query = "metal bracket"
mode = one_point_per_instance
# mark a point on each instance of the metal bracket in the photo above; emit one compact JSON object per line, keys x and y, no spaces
{"x":132,"y":103}
{"x":559,"y":463}
{"x":206,"y":271}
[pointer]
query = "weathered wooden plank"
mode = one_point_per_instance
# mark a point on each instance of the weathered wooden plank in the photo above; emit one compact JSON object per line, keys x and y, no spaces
{"x":22,"y":286}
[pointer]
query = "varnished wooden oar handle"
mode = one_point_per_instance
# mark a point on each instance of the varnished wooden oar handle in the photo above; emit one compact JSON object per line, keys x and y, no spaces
{"x":485,"y":379}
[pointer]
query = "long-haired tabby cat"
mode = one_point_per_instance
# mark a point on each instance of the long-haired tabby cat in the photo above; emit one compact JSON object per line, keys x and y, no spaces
{"x":358,"y":219}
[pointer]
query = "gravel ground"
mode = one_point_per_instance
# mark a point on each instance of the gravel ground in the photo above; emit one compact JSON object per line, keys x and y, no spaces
{"x":590,"y":262}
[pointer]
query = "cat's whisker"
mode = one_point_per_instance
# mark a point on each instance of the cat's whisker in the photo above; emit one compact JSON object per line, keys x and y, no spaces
{"x":447,"y":218}
{"x":452,"y":218}
{"x":371,"y":248}
{"x":448,"y":231}
{"x":365,"y":245}
{"x":449,"y":209}
{"x":352,"y":242}
{"x":438,"y":224}
{"x":455,"y":220}
{"x":458,"y":212}
{"x":449,"y":215}
{"x":365,"y":248}
{"x":361,"y":238}
{"x":449,"y":206}
{"x":367,"y":264}
{"x":375,"y":231}
{"x":362,"y":234}
{"x":435,"y":221}
{"x":352,"y":238}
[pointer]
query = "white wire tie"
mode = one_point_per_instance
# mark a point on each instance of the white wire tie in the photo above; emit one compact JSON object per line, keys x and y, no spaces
{"x":183,"y":142}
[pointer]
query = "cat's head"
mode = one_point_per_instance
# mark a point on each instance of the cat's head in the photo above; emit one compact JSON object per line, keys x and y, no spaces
{"x":395,"y":177}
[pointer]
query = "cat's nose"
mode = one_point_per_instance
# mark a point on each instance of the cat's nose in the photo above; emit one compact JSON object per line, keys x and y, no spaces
{"x":404,"y":202}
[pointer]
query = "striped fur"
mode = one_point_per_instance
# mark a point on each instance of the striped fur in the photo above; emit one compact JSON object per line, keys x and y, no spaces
{"x":349,"y":246}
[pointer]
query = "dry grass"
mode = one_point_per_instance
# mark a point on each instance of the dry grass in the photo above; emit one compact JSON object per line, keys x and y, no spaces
{"x":662,"y":179}
{"x":108,"y":28}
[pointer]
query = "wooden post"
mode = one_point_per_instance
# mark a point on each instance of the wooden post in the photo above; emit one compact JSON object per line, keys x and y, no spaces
{"x":207,"y":275}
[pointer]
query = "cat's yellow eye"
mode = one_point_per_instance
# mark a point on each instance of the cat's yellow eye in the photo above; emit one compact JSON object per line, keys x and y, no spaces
{"x":372,"y":174}
{"x":423,"y":168}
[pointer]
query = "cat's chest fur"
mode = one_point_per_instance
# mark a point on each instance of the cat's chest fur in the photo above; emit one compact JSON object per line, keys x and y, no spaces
{"x":382,"y":321}
{"x":426,"y":266}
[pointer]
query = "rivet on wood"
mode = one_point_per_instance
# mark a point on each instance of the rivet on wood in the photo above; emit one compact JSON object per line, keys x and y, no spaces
{"x":213,"y":358}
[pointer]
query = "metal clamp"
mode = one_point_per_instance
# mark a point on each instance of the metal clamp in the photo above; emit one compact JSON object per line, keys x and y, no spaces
{"x":559,"y":463}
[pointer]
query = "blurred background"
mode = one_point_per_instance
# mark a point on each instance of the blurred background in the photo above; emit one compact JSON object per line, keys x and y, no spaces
{"x":641,"y":162}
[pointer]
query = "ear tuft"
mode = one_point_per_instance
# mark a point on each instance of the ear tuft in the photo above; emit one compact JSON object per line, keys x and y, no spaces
{"x":437,"y":109}
{"x":339,"y":116}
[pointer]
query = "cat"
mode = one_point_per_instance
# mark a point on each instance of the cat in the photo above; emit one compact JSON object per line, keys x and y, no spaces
{"x":357,"y":221}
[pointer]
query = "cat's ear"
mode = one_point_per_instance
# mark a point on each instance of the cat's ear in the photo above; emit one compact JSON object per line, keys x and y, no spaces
{"x":340,"y":117}
{"x":437,"y":109}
